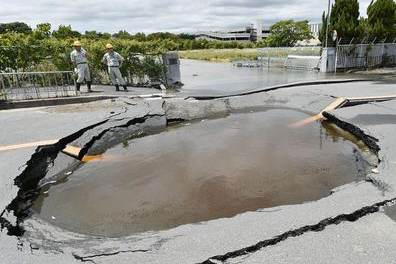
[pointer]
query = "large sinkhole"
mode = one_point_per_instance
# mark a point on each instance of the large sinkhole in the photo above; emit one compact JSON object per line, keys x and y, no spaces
{"x":203,"y":170}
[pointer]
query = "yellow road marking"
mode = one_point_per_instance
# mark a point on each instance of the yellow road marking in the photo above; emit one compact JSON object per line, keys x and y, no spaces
{"x":88,"y":158}
{"x":373,"y":98}
{"x":339,"y":102}
{"x":334,"y":105}
{"x":75,"y":152}
{"x":28,"y":145}
{"x":70,"y":150}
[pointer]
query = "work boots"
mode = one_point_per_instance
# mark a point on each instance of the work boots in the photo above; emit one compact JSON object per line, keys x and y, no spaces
{"x":125,"y":88}
{"x":78,"y":85}
{"x":89,"y":86}
{"x":117,"y":88}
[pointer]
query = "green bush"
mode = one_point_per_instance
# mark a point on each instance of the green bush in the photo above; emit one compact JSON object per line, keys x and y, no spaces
{"x":42,"y":51}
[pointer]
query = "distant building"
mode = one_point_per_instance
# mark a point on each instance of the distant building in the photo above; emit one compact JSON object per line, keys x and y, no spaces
{"x":315,"y":29}
{"x":249,"y":33}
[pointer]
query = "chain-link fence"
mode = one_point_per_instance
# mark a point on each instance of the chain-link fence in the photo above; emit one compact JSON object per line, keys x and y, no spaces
{"x":305,"y":58}
{"x":36,"y":85}
{"x":306,"y":63}
{"x":284,"y":52}
{"x":365,"y":56}
{"x":145,"y":70}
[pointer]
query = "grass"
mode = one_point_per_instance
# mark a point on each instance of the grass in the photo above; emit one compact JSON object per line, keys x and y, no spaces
{"x":220,"y":55}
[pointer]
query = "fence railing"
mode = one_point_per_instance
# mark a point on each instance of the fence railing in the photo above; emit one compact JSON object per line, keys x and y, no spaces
{"x":36,"y":85}
{"x":299,"y":58}
{"x":364,"y":56}
{"x":297,"y":62}
{"x":145,"y":70}
{"x":284,"y":52}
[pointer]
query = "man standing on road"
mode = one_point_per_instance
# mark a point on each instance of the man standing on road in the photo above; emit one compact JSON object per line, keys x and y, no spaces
{"x":114,"y":60}
{"x":79,"y":59}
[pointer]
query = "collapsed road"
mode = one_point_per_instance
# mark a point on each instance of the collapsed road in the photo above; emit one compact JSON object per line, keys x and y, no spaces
{"x":350,"y":225}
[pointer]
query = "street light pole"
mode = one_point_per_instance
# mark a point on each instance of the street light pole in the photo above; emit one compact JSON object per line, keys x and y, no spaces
{"x":327,"y":24}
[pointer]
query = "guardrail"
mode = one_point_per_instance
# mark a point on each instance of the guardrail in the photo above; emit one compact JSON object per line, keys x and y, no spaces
{"x":16,"y":86}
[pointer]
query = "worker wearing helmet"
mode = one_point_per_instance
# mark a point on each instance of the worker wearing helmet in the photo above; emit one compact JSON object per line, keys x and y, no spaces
{"x":114,"y":61}
{"x":80,"y":61}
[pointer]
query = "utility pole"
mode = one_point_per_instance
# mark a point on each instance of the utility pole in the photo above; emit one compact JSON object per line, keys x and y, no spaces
{"x":327,"y":24}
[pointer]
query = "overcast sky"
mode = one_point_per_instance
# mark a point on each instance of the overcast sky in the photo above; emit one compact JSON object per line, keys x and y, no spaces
{"x":160,"y":15}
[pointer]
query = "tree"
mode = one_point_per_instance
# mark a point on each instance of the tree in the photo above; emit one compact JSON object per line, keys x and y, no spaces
{"x":122,"y":34}
{"x":363,"y":29}
{"x":92,"y":34}
{"x":323,"y":29}
{"x":286,"y":33}
{"x":382,"y":19}
{"x":345,"y":18}
{"x":186,"y":36}
{"x":65,"y":32}
{"x":42,"y":31}
{"x":16,"y":27}
{"x":140,"y":36}
{"x":161,"y":35}
{"x":96,"y":35}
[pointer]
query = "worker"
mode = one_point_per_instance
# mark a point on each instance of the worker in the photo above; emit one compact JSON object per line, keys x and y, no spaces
{"x":113,"y":61}
{"x":79,"y":58}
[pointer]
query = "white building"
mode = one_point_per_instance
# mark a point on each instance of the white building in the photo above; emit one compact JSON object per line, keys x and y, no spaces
{"x":249,"y":33}
{"x":315,"y":29}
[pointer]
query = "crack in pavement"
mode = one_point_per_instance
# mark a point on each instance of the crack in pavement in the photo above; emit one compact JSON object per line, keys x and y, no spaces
{"x":370,"y":141}
{"x":274,"y":88}
{"x":134,"y":121}
{"x":90,"y":258}
{"x":37,"y":168}
{"x":27,"y":181}
{"x":353,"y":217}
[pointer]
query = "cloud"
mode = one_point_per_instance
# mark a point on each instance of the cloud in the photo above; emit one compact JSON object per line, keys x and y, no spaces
{"x":160,"y":15}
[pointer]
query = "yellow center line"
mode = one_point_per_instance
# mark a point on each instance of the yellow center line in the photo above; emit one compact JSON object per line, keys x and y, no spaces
{"x":339,"y":102}
{"x":70,"y":150}
{"x":29,"y":145}
{"x":373,"y":98}
{"x":75,"y":152}
{"x":334,"y":105}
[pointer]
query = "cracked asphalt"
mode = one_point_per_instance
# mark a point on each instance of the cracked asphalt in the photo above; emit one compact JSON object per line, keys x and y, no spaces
{"x":349,"y":226}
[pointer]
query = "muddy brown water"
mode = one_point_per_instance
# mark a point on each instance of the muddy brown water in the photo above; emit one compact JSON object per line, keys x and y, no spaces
{"x":200,"y":171}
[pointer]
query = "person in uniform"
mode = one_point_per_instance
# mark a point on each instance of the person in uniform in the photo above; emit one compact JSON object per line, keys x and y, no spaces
{"x":113,"y":61}
{"x":80,"y":61}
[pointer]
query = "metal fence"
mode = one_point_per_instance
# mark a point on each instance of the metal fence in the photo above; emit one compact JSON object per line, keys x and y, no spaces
{"x":290,"y":57}
{"x":284,"y":52}
{"x":365,"y":56}
{"x":36,"y":85}
{"x":145,"y":70}
{"x":307,"y":63}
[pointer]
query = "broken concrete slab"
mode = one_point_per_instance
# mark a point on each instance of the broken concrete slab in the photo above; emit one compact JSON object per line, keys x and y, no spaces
{"x":377,"y":121}
{"x":303,"y":101}
{"x":138,"y":116}
{"x":182,"y":109}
